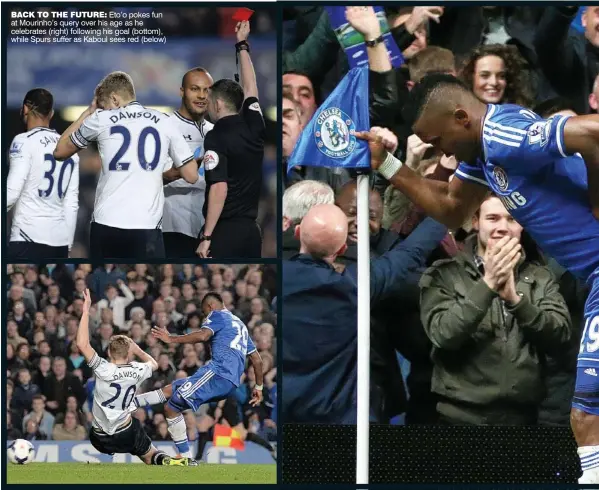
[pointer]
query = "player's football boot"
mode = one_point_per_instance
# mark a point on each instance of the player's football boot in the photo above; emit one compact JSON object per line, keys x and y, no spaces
{"x":176,"y":461}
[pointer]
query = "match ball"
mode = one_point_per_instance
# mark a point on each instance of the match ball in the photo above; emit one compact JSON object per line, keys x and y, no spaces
{"x":21,"y":451}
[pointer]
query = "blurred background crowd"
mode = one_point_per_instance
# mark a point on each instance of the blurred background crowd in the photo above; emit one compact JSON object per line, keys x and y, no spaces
{"x":194,"y":37}
{"x":423,"y":369}
{"x":49,"y":385}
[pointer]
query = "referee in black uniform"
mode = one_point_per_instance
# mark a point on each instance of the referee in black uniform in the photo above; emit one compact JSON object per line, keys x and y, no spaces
{"x":234,"y":151}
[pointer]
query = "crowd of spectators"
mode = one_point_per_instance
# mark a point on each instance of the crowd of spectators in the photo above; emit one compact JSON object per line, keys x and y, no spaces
{"x":434,"y":356}
{"x":49,"y":385}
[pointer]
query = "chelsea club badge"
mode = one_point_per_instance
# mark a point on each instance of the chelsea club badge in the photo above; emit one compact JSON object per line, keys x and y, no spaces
{"x":334,"y":133}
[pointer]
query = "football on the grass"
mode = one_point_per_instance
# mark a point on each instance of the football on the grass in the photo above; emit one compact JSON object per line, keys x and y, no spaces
{"x":21,"y":452}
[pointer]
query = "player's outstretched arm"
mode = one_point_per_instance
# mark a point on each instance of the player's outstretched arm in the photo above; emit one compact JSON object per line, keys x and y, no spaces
{"x":83,"y":331}
{"x":203,"y":335}
{"x":256,"y":362}
{"x":581,"y":135}
{"x":246,"y":68}
{"x":65,"y":148}
{"x":448,"y":203}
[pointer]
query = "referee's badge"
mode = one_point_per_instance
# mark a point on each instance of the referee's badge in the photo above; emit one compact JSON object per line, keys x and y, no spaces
{"x":210,"y":160}
{"x":255,"y":106}
{"x":334,"y":133}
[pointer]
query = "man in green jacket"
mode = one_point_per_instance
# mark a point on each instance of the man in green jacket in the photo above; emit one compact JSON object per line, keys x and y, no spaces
{"x":492,"y":317}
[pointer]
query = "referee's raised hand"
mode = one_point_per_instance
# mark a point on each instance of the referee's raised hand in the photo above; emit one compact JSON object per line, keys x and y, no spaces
{"x":242,"y":29}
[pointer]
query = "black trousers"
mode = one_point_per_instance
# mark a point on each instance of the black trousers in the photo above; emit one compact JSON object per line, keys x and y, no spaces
{"x":179,"y":245}
{"x":235,"y":238}
{"x":107,"y":242}
{"x":36,"y":251}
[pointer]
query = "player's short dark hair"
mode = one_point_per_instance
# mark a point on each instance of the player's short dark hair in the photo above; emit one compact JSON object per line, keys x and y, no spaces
{"x":109,"y":286}
{"x":197,"y":69}
{"x":553,"y":105}
{"x":421,"y":94}
{"x":38,"y":397}
{"x":39,"y":101}
{"x":213,"y":295}
{"x":230,"y":92}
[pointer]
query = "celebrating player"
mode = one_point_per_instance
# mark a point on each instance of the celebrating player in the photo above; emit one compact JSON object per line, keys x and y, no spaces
{"x":134,"y":143}
{"x":113,"y":429}
{"x":230,"y":344}
{"x":44,"y":190}
{"x":183,"y":202}
{"x":537,"y":168}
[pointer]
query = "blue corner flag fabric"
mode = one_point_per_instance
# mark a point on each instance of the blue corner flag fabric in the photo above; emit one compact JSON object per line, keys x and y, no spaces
{"x":329,"y":138}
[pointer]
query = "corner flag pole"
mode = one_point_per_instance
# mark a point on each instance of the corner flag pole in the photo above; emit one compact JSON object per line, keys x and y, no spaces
{"x":363,"y":389}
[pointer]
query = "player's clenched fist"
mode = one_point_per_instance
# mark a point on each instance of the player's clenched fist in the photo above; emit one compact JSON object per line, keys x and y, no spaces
{"x":381,"y":141}
{"x":256,"y":397}
{"x":500,"y":260}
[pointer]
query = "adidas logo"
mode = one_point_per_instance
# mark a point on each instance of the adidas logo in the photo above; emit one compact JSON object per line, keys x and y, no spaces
{"x":590,"y":372}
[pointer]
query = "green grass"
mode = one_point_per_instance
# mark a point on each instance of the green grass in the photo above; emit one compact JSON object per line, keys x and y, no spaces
{"x":139,"y":473}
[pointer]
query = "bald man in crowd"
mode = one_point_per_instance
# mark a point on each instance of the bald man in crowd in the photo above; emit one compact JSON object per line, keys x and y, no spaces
{"x":320,"y":304}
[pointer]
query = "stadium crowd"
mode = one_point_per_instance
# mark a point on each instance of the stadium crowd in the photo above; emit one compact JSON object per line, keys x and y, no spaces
{"x":49,"y":385}
{"x":424,"y":368}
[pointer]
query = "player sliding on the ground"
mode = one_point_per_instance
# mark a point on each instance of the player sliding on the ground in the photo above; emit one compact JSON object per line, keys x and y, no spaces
{"x":113,"y":429}
{"x":230,"y":344}
{"x":546,"y":172}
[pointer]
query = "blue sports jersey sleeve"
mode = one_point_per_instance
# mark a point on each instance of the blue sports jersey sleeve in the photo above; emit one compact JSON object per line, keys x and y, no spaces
{"x":468,"y":173}
{"x":213,"y":323}
{"x":251,"y":346}
{"x":515,"y":138}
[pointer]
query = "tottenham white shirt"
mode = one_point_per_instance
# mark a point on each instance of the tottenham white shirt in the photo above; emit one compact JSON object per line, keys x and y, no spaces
{"x":116,"y":385}
{"x":183,"y":201}
{"x":44,"y":191}
{"x":134,"y":144}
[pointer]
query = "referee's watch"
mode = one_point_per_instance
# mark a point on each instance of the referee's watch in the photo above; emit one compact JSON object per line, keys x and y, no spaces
{"x":241,"y":45}
{"x":204,"y":238}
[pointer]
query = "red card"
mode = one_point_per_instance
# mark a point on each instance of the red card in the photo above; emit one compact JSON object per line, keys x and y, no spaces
{"x":242,"y":14}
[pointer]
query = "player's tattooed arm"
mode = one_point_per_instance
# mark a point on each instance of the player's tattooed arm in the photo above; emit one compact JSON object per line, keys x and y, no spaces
{"x":581,"y":135}
{"x":256,"y":362}
{"x":82,"y":338}
{"x":203,"y":335}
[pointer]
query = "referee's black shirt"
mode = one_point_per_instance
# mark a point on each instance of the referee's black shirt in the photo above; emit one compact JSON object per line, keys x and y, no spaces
{"x":234,"y":151}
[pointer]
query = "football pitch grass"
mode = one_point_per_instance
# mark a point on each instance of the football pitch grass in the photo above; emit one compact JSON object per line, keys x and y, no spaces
{"x":83,"y":473}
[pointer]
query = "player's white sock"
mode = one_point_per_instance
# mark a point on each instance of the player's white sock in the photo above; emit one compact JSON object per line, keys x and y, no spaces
{"x":589,"y":461}
{"x":178,"y":431}
{"x":150,"y":398}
